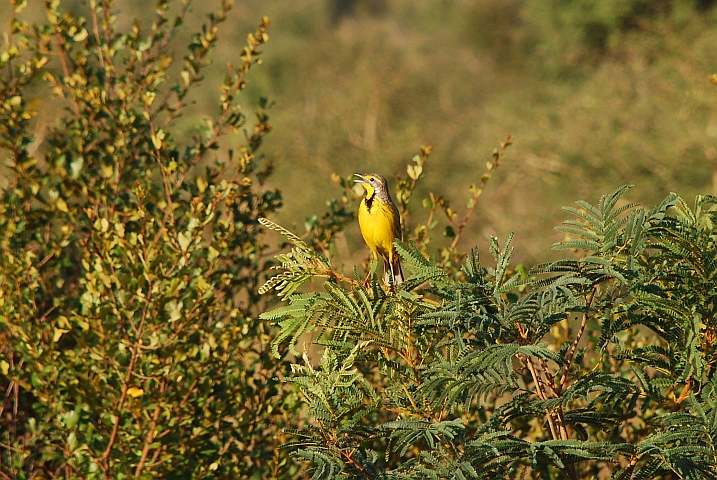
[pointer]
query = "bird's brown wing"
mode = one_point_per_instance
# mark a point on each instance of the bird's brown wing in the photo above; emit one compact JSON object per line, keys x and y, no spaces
{"x":396,"y":222}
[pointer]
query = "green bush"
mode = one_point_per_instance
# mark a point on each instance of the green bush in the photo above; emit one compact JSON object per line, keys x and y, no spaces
{"x":130,"y":344}
{"x":599,"y":365}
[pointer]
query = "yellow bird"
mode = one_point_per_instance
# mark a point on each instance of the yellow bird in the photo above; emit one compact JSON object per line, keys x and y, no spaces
{"x":380,"y":224}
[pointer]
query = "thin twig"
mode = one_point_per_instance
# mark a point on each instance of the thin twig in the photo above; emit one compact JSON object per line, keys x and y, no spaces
{"x":149,"y":438}
{"x":65,"y":69}
{"x":541,"y":394}
{"x":477,"y":192}
{"x":104,"y":459}
{"x":96,"y":31}
{"x":574,"y":347}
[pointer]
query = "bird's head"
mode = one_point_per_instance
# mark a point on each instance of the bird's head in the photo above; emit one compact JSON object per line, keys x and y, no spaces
{"x":373,"y":183}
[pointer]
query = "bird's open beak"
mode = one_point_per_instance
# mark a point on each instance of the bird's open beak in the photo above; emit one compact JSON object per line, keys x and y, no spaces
{"x":360,"y":179}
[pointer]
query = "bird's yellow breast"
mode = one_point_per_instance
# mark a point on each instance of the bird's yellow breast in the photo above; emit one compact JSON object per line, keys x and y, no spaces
{"x":377,"y":227}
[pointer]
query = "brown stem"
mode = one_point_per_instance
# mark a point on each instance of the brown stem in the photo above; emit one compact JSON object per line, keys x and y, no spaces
{"x":169,"y":212}
{"x":559,"y":413}
{"x":425,"y":152}
{"x":113,"y":436}
{"x":65,"y":69}
{"x":175,"y":411}
{"x":9,"y":36}
{"x":104,"y":459}
{"x":96,"y":31}
{"x":540,"y":390}
{"x":685,"y":391}
{"x":339,"y":277}
{"x":3,"y":475}
{"x":574,"y":347}
{"x":630,"y":467}
{"x":8,"y":392}
{"x":149,"y":438}
{"x":349,"y":457}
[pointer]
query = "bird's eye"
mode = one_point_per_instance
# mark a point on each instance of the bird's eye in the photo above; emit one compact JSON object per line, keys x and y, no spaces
{"x":372,"y":180}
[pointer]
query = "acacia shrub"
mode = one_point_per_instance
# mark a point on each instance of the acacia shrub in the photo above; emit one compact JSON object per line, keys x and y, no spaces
{"x":599,"y":365}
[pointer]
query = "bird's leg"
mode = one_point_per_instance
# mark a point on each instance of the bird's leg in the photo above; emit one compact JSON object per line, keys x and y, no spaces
{"x":367,"y":280}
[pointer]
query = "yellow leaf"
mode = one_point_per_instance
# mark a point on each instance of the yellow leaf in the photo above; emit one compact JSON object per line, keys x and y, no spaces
{"x":62,"y":321}
{"x":106,"y":171}
{"x":148,"y":97}
{"x":61,"y":205}
{"x":58,"y":333}
{"x":80,"y":36}
{"x":201,"y":184}
{"x":135,"y":392}
{"x":158,"y":138}
{"x":184,"y":241}
{"x":414,"y":171}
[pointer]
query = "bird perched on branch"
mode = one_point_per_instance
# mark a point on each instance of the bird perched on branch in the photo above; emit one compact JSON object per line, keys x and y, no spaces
{"x":380,"y":224}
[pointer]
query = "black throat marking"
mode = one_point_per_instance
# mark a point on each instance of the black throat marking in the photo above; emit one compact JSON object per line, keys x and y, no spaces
{"x":369,"y":201}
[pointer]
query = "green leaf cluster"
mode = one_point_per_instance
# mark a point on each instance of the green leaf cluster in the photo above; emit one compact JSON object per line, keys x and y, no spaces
{"x":599,"y":365}
{"x":131,"y":253}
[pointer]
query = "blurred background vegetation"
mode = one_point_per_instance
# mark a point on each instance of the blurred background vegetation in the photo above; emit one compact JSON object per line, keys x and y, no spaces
{"x":595,"y":93}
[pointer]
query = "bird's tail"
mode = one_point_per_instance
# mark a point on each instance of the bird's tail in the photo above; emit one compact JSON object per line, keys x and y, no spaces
{"x":395,"y":271}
